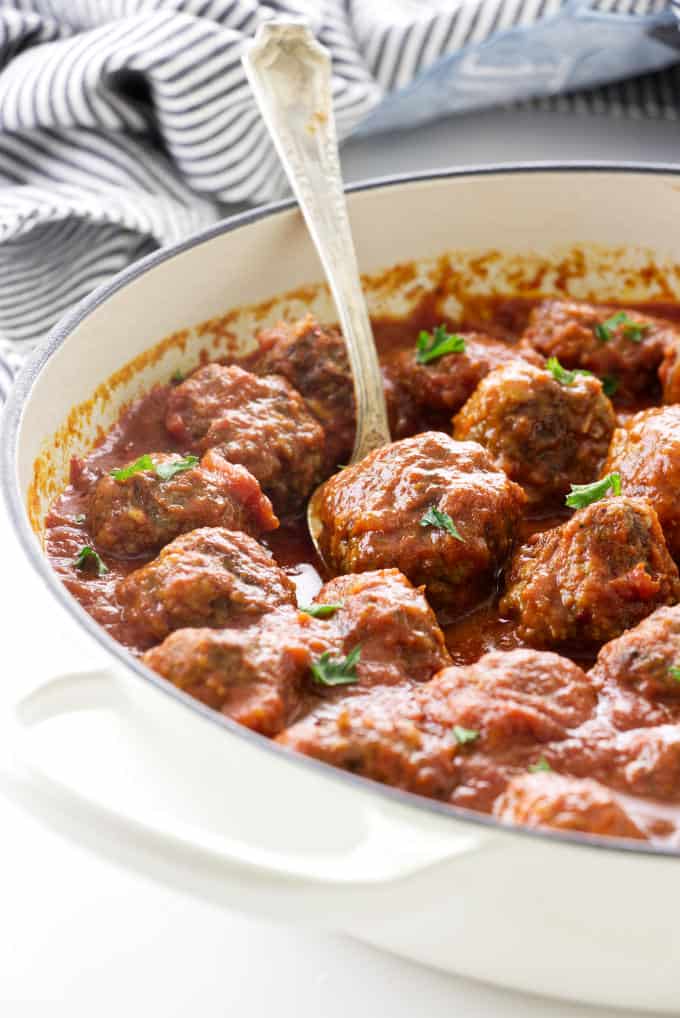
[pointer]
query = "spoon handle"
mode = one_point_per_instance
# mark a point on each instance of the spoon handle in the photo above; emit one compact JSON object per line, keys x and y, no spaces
{"x":290,"y":75}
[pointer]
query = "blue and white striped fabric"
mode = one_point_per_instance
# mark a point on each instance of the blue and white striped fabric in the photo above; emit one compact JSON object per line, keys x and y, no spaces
{"x":127,"y":124}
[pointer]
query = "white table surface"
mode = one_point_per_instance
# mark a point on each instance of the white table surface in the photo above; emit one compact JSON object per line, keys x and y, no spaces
{"x":80,"y":938}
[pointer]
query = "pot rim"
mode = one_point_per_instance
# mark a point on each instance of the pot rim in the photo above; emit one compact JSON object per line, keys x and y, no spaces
{"x":20,"y":393}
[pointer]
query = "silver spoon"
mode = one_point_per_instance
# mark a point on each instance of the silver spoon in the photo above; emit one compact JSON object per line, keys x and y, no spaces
{"x":290,"y":75}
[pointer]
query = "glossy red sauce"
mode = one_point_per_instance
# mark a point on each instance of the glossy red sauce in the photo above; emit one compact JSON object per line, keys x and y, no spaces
{"x":140,"y":429}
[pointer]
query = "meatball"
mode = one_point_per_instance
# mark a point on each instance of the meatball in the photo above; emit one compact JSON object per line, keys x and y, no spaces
{"x":255,"y":674}
{"x":568,"y":804}
{"x":259,"y":422}
{"x":594,"y":576}
{"x":458,"y":737}
{"x":646,"y":453}
{"x":392,"y":623}
{"x":135,"y":514}
{"x":208,"y":577}
{"x":434,"y":508}
{"x":669,"y":372}
{"x":444,"y":384}
{"x":544,"y":434}
{"x":624,"y":346}
{"x":314,"y":360}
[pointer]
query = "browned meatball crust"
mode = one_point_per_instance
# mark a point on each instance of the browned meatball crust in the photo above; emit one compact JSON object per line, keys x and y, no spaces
{"x":389,"y":619}
{"x":444,"y":384}
{"x":646,"y":453}
{"x":208,"y":577}
{"x":141,"y":513}
{"x":544,"y":434}
{"x":374,"y":515}
{"x":255,"y":675}
{"x":259,"y":422}
{"x":631,"y":355}
{"x":458,"y":737}
{"x":314,"y":360}
{"x":638,"y":674}
{"x":567,"y":804}
{"x":591,"y":578}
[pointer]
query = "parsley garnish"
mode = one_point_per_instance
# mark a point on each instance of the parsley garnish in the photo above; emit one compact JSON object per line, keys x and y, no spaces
{"x":540,"y":765}
{"x":631,"y":330}
{"x":585,"y":494}
{"x":464,"y":735}
{"x":320,"y":611}
{"x":674,"y":672}
{"x":143,"y":463}
{"x":562,"y":375}
{"x":342,"y":672}
{"x":80,"y":518}
{"x":166,"y":471}
{"x":177,"y":376}
{"x":610,"y":385}
{"x":435,"y":518}
{"x":87,"y":558}
{"x":432,"y":345}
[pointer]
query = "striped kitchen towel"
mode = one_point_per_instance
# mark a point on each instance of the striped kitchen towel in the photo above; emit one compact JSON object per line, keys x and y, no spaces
{"x":127,"y":124}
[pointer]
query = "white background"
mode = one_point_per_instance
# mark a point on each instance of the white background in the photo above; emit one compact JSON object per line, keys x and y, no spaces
{"x":82,"y":939}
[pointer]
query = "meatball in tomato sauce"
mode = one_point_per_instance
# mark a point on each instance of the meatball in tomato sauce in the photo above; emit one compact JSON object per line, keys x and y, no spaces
{"x":437,"y":509}
{"x":591,"y":578}
{"x":565,"y":804}
{"x":646,"y":453}
{"x":314,"y":360}
{"x":624,"y":347}
{"x":143,"y":505}
{"x":260,"y":422}
{"x":208,"y":577}
{"x":443,"y":384}
{"x":545,"y":430}
{"x":390,"y":620}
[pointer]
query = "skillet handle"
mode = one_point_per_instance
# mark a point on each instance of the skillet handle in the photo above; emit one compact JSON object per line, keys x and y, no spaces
{"x":386,"y":844}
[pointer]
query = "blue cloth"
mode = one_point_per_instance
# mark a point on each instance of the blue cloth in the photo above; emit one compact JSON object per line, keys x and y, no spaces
{"x":127,"y":124}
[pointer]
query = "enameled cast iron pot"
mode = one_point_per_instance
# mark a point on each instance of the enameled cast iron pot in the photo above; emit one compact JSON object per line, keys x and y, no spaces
{"x":128,"y":764}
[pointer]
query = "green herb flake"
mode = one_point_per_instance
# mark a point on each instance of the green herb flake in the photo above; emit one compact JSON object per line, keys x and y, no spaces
{"x":540,"y":766}
{"x":342,"y":672}
{"x":320,"y":611}
{"x":562,"y":375}
{"x":432,"y":345}
{"x":143,"y":463}
{"x":610,"y":385}
{"x":80,"y":518}
{"x":88,"y":560}
{"x":634,"y":331}
{"x":166,"y":471}
{"x":674,"y":672}
{"x":435,"y":518}
{"x":464,"y":735}
{"x":585,"y":494}
{"x":177,"y":377}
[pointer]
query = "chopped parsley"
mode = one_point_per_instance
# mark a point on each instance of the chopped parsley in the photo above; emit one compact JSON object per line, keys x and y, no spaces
{"x":540,"y":766}
{"x":432,"y":345}
{"x":80,"y":518}
{"x":464,"y":735}
{"x":436,"y":518}
{"x":342,"y":672}
{"x":166,"y":471}
{"x":88,"y":560}
{"x":177,"y":376}
{"x":143,"y":463}
{"x":674,"y":672}
{"x":634,"y":331}
{"x":320,"y":611}
{"x":585,"y":494}
{"x":610,"y":385}
{"x":562,"y":375}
